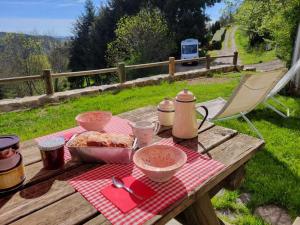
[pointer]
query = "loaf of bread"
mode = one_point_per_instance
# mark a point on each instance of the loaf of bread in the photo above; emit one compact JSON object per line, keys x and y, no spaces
{"x":97,"y":139}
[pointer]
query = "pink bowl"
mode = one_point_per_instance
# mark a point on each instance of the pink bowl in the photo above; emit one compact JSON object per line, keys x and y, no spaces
{"x":93,"y":121}
{"x":159,"y":162}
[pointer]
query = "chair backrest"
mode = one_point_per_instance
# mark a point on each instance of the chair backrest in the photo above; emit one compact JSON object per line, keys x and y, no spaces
{"x":251,"y":91}
{"x":285,"y":79}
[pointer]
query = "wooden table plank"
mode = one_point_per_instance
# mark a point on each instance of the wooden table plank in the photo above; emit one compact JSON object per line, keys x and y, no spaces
{"x":73,"y":209}
{"x":35,"y":172}
{"x":98,"y":220}
{"x":31,"y":199}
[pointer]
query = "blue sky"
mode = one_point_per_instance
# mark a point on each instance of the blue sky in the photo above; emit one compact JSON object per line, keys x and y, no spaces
{"x":51,"y":17}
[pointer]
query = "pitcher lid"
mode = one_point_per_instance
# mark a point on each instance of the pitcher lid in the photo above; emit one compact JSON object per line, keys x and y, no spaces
{"x":166,"y":105}
{"x":185,"y":96}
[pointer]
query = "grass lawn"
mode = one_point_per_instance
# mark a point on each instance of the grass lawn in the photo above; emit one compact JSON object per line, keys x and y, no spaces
{"x":272,"y":176}
{"x":251,"y":56}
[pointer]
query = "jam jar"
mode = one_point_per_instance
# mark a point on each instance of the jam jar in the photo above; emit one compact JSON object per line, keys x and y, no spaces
{"x":12,"y":174}
{"x":52,"y":152}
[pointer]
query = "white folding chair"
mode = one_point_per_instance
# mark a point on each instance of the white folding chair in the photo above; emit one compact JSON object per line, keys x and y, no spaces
{"x":279,"y":86}
{"x":251,"y":91}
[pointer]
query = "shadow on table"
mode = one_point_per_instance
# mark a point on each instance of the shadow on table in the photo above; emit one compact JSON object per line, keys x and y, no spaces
{"x":44,"y":185}
{"x":165,"y":193}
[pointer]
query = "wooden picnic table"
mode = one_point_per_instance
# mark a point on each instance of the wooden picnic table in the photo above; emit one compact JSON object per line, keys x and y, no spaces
{"x":47,"y":198}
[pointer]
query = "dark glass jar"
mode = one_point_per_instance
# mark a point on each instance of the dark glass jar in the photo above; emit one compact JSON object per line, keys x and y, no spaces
{"x":52,"y":152}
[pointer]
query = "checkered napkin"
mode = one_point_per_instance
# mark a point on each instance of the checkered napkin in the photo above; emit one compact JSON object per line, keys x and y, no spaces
{"x":197,"y":170}
{"x":115,"y":125}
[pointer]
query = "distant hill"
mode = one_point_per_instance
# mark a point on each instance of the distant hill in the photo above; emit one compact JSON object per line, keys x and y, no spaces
{"x":58,"y":38}
{"x":47,"y":42}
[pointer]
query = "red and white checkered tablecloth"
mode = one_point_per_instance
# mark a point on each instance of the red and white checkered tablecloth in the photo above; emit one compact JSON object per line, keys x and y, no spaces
{"x":197,"y":170}
{"x":115,"y":125}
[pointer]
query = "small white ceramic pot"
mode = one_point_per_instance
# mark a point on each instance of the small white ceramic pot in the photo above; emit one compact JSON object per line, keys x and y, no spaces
{"x":166,"y":112}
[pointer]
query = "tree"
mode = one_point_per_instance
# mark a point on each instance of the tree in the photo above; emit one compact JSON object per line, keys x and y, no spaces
{"x":105,"y":25}
{"x":59,"y":60}
{"x":215,"y":26}
{"x":271,"y":19}
{"x":81,"y":49}
{"x":186,"y":19}
{"x":23,"y":55}
{"x":228,"y":11}
{"x":140,"y":39}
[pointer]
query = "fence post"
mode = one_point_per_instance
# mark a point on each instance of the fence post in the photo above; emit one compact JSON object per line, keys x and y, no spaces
{"x":122,"y":72}
{"x":172,"y":68}
{"x":48,"y":82}
{"x":208,"y":62}
{"x":235,"y":58}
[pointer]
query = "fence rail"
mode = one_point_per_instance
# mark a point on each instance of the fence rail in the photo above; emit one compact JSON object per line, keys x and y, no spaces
{"x":48,"y":77}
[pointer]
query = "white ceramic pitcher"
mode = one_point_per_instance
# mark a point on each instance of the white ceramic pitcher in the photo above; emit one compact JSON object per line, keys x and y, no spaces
{"x":185,"y":122}
{"x":144,"y":131}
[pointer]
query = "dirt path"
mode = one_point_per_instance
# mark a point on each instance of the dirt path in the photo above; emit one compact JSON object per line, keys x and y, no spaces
{"x":268,"y":66}
{"x":228,"y":47}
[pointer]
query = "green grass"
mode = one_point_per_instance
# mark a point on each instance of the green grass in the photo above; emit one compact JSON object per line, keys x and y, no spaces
{"x":242,"y":214}
{"x":272,"y":176}
{"x":213,"y":53}
{"x":37,"y":122}
{"x":251,"y":56}
{"x":229,"y":32}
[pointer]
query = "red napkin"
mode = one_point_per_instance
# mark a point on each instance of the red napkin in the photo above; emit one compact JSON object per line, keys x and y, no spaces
{"x":124,"y":200}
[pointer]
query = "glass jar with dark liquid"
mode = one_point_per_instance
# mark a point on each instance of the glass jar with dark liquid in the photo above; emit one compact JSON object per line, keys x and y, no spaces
{"x":52,"y":152}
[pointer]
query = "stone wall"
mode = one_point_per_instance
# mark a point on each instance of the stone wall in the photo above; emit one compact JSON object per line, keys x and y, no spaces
{"x":17,"y":104}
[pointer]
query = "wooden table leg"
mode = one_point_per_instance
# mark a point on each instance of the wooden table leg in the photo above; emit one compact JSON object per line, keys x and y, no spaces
{"x":201,"y":212}
{"x":235,"y":180}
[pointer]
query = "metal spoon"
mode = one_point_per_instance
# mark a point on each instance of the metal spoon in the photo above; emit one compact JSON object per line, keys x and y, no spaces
{"x":118,"y":183}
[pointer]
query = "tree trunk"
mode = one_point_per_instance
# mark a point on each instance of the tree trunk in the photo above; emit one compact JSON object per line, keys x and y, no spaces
{"x":296,"y":56}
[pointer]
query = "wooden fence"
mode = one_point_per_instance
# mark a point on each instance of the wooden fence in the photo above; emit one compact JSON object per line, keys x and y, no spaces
{"x":48,"y":77}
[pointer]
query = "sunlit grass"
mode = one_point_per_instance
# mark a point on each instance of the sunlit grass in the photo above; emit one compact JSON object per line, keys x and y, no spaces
{"x":251,"y":55}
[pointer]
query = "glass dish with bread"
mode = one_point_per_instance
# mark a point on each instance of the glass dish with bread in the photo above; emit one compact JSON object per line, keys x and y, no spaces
{"x":93,"y":146}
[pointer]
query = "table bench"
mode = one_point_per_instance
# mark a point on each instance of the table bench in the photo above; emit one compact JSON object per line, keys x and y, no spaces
{"x":47,"y":198}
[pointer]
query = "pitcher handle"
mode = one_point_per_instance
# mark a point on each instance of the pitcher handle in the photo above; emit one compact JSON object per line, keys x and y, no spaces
{"x":205,"y":117}
{"x":156,"y":127}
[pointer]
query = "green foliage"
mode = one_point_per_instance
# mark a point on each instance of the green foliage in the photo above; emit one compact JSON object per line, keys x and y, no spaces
{"x":141,"y":39}
{"x":271,"y":19}
{"x":215,"y":26}
{"x":218,"y":38}
{"x":22,"y":55}
{"x":103,"y":31}
{"x":242,"y":215}
{"x":185,"y":19}
{"x":251,"y":55}
{"x":81,"y":48}
{"x":59,"y":60}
